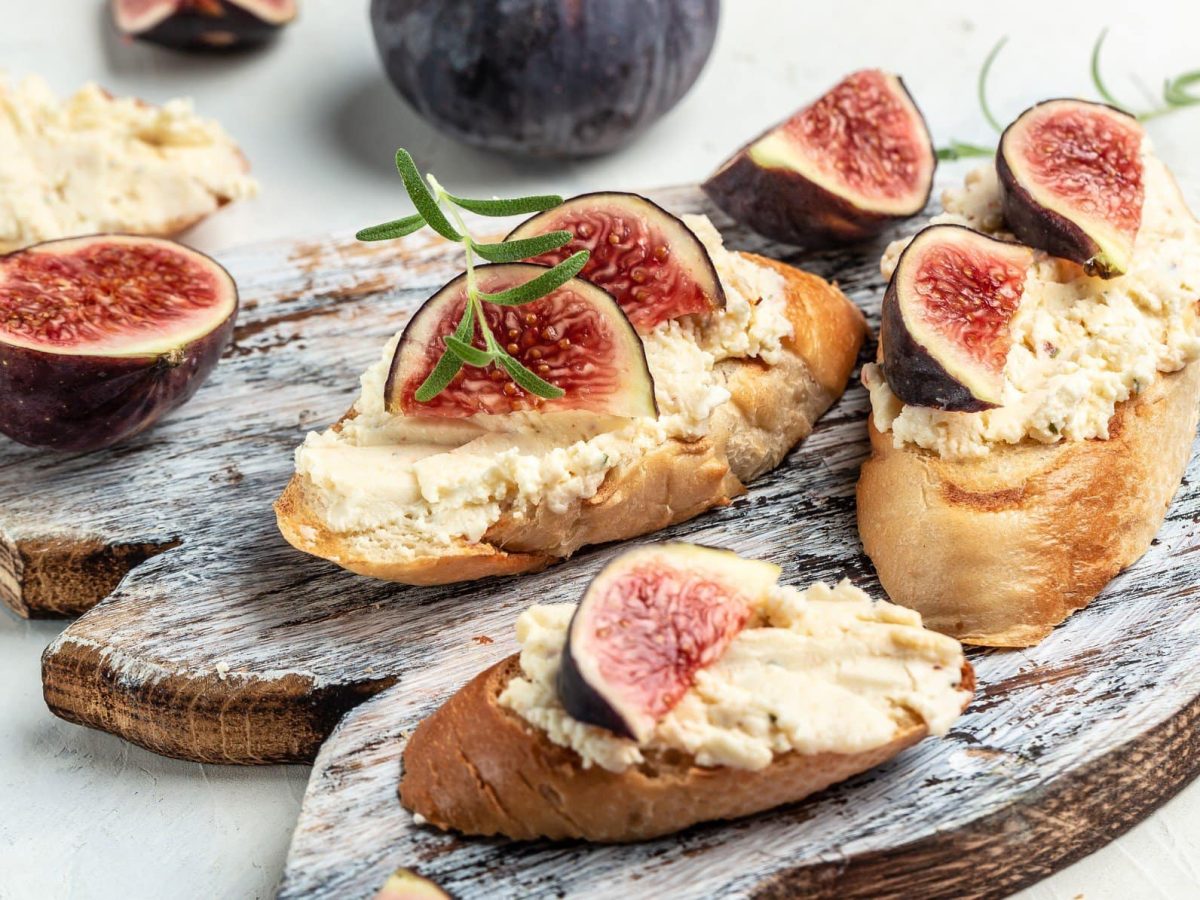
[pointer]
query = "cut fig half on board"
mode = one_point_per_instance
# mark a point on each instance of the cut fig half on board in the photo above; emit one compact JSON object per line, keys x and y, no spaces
{"x":203,"y":24}
{"x":651,"y":620}
{"x":1071,"y":175}
{"x":101,"y":336}
{"x":838,"y":171}
{"x":575,"y":338}
{"x":946,"y":314}
{"x":652,"y":263}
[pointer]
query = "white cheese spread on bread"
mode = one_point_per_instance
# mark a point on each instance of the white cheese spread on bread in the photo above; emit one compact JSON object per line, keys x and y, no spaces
{"x":1081,"y":345}
{"x":95,"y":163}
{"x":823,"y":670}
{"x":416,"y":482}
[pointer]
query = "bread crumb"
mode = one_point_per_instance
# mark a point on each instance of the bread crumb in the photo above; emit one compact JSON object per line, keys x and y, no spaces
{"x":419,"y":819}
{"x":222,"y":670}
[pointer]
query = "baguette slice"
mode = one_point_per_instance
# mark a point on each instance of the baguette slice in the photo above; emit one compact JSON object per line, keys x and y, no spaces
{"x":479,"y":768}
{"x":997,"y":551}
{"x":770,"y":410}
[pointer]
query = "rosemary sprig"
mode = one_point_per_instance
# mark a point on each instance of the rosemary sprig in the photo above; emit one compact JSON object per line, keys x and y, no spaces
{"x":438,"y":208}
{"x":1176,"y":91}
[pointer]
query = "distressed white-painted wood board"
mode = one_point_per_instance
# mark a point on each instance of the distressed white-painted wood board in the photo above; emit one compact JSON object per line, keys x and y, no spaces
{"x":236,"y":628}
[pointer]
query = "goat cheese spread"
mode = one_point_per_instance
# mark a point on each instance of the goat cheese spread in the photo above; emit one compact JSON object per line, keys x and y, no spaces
{"x":822,"y":670}
{"x":416,"y":482}
{"x":95,"y":163}
{"x":1081,"y":345}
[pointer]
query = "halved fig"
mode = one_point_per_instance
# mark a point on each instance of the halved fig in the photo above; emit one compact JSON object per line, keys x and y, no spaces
{"x":203,"y":24}
{"x":406,"y":885}
{"x":1071,"y":180}
{"x":647,"y":258}
{"x":946,"y":314}
{"x":576,"y":338}
{"x":648,"y":623}
{"x":838,"y":171}
{"x":101,"y":336}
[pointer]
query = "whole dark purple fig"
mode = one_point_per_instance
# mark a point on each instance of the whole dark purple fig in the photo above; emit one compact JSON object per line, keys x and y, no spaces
{"x":101,"y":336}
{"x":547,"y":78}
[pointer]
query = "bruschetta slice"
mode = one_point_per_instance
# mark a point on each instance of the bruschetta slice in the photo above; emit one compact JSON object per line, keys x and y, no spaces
{"x":687,"y":686}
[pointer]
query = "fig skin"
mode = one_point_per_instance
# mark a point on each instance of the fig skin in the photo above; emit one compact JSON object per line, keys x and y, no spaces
{"x":238,"y":24}
{"x":789,"y":208}
{"x":79,"y":403}
{"x":1045,"y":228}
{"x":915,"y":376}
{"x":544,"y":78}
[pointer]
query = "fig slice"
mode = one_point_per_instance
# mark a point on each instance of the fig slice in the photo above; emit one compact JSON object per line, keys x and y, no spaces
{"x":1071,"y":178}
{"x":946,"y":314}
{"x":838,"y":171}
{"x":203,"y":24}
{"x":576,"y":338}
{"x":647,"y":258}
{"x":101,"y":336}
{"x":648,"y":623}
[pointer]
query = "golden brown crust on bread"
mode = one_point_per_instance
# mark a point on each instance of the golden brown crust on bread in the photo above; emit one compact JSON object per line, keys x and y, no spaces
{"x":770,"y":410}
{"x":999,"y":550}
{"x":477,"y":767}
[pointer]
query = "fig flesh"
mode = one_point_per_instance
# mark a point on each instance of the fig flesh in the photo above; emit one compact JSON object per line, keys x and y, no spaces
{"x":544,"y":78}
{"x":203,"y":24}
{"x":1071,"y":178}
{"x":101,"y":336}
{"x":648,"y":623}
{"x":652,"y":263}
{"x":946,"y":314}
{"x":406,"y":885}
{"x":839,"y":171}
{"x":576,"y":338}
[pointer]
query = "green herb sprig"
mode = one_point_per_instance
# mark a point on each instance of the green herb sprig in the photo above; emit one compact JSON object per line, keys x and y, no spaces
{"x":439,"y":209}
{"x":1178,"y":92}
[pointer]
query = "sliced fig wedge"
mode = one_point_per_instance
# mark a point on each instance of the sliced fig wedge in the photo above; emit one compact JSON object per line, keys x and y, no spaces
{"x":203,"y":24}
{"x":647,"y":258}
{"x":101,"y":336}
{"x":648,"y":623}
{"x":576,"y":338}
{"x":1071,"y":176}
{"x":946,"y":314}
{"x":838,"y":171}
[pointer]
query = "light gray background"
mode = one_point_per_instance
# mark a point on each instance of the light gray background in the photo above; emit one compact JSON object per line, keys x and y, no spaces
{"x":83,"y":814}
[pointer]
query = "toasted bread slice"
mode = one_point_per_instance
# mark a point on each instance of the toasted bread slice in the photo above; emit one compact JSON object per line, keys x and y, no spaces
{"x":771,"y":408}
{"x":477,"y":767}
{"x":997,"y":551}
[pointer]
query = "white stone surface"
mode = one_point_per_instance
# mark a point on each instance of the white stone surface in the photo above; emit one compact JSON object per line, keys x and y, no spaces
{"x":83,"y":815}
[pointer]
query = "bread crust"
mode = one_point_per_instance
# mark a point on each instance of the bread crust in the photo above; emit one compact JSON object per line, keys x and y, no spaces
{"x":999,"y":550}
{"x":770,"y":410}
{"x":478,"y":768}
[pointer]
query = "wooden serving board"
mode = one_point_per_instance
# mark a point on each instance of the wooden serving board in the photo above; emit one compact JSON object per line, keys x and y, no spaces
{"x":223,"y":644}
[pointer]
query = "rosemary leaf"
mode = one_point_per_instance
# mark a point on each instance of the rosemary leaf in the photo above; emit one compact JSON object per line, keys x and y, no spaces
{"x":1101,"y":88}
{"x":422,"y":199}
{"x":518,"y":206}
{"x":530,"y":382}
{"x":514,"y":251}
{"x":981,"y":87}
{"x":439,"y":379}
{"x":962,"y":150}
{"x":1176,"y":93}
{"x":391,"y":230}
{"x":548,"y":281}
{"x":468,"y":353}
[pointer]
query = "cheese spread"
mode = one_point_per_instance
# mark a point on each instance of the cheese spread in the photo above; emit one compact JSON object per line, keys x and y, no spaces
{"x":1081,"y":345}
{"x":418,"y":482}
{"x":823,"y":670}
{"x":94,"y":163}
